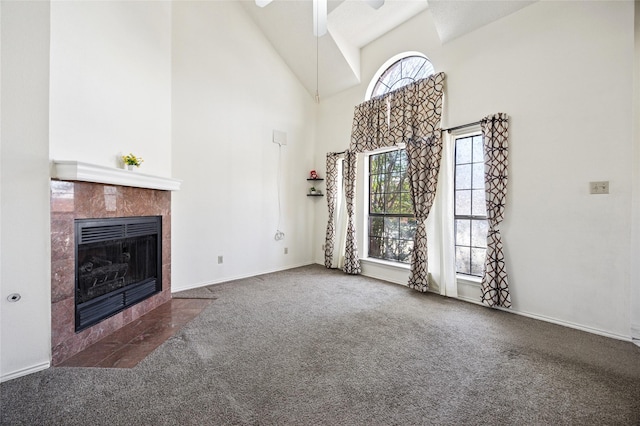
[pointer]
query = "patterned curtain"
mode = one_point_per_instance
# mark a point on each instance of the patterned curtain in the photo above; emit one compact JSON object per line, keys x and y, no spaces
{"x":351,"y":259}
{"x":424,"y":157}
{"x":411,"y":113}
{"x":495,"y":130}
{"x":332,"y":195}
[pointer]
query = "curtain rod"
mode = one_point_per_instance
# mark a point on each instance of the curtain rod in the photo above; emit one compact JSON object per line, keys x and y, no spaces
{"x":337,"y":153}
{"x":451,"y":129}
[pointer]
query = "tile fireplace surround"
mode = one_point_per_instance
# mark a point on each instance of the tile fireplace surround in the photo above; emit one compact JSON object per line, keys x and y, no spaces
{"x":74,"y":199}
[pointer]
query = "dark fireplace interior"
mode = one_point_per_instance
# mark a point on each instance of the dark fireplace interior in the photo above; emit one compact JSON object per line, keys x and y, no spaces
{"x":118,"y":264}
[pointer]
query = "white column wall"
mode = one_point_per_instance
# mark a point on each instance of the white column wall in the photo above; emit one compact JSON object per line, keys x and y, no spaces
{"x":25,"y":248}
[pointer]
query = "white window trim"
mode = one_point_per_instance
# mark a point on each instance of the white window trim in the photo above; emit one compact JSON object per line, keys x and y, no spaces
{"x":462,"y":280}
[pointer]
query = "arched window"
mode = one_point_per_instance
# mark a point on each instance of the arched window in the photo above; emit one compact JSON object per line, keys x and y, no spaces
{"x":399,"y":71}
{"x":391,"y":220}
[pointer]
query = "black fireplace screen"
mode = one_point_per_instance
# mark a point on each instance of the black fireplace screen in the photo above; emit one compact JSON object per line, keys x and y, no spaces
{"x":118,"y":264}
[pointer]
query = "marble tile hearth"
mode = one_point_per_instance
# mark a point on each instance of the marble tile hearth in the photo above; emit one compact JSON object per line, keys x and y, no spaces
{"x":72,"y":200}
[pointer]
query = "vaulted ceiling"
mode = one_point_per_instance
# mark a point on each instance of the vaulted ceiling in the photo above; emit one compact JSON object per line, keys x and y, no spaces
{"x":352,"y":24}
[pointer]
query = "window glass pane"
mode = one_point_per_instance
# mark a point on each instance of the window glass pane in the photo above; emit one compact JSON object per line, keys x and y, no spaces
{"x":478,"y":154}
{"x":463,"y":232}
{"x":375,"y":247}
{"x":403,"y":72}
{"x":407,"y":228}
{"x":406,"y":184}
{"x":379,"y":90}
{"x":463,"y":150}
{"x":463,"y":203}
{"x":463,"y":260}
{"x":404,"y":251}
{"x":376,"y":226}
{"x":392,"y":75}
{"x":390,"y":249}
{"x":394,"y":180}
{"x":471,"y":234}
{"x":463,"y":176}
{"x":392,"y":227}
{"x":406,"y":206}
{"x":478,"y":176}
{"x":376,"y":164}
{"x":394,"y":203}
{"x":479,"y":204}
{"x":477,"y":261}
{"x":377,"y":203}
{"x":479,"y":229}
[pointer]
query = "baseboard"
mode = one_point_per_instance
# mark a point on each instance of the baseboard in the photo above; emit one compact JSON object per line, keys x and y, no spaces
{"x":466,"y":296}
{"x":635,"y":331}
{"x":25,"y":371}
{"x":238,"y":277}
{"x":460,"y":297}
{"x":556,"y":321}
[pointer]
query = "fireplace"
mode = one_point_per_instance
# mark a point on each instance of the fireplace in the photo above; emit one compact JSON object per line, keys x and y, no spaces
{"x":118,"y":264}
{"x":72,"y":201}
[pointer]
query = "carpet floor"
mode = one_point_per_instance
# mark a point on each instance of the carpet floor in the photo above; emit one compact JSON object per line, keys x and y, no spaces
{"x":313,"y":346}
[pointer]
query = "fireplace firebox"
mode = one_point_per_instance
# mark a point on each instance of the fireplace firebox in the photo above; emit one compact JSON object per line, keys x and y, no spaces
{"x":118,"y":264}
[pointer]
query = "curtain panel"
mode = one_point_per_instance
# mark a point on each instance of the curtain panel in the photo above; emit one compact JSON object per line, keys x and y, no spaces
{"x":424,"y":156}
{"x":495,"y":130}
{"x":409,"y":115}
{"x":332,"y":195}
{"x":351,"y":259}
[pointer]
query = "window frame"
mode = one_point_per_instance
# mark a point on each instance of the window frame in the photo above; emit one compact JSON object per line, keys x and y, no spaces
{"x":383,"y":71}
{"x":471,"y":217}
{"x":370,"y":214}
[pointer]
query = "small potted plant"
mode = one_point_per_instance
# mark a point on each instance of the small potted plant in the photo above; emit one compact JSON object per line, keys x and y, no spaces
{"x":313,"y":190}
{"x":131,"y":160}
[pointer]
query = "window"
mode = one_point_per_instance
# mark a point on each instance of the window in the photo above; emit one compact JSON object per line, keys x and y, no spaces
{"x":391,"y":221}
{"x":401,"y":72}
{"x":470,"y":211}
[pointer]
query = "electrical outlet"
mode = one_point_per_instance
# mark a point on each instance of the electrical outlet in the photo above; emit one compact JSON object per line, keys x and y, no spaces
{"x":601,"y":187}
{"x":286,"y":250}
{"x":220,"y":259}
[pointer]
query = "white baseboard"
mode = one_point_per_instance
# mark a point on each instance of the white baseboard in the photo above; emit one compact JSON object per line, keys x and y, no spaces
{"x":635,"y":331}
{"x":238,"y":277}
{"x":25,"y":371}
{"x":399,"y":279}
{"x":470,"y":292}
{"x":556,"y":321}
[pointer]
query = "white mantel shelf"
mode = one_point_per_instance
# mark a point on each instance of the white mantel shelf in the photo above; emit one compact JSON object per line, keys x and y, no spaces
{"x":76,"y":170}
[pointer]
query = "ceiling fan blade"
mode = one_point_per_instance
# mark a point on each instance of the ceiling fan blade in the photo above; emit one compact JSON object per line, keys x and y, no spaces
{"x":262,"y":3}
{"x":319,"y":17}
{"x":376,"y":4}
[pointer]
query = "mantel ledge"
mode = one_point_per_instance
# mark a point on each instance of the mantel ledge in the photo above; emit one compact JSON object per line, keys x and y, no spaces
{"x":86,"y":172}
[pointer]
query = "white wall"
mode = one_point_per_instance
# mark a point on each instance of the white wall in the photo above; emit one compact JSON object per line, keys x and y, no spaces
{"x":635,"y":216}
{"x":563,"y":72}
{"x":24,"y":189}
{"x":111,"y":82}
{"x":230,"y":91}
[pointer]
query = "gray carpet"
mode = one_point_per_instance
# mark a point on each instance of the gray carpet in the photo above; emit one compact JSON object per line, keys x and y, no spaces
{"x":311,"y":346}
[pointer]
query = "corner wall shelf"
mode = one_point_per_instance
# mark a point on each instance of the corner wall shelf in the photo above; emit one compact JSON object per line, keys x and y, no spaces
{"x":315,"y":195}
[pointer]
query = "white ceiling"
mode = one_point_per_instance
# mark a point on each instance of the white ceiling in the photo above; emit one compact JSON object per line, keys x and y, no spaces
{"x":352,"y":24}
